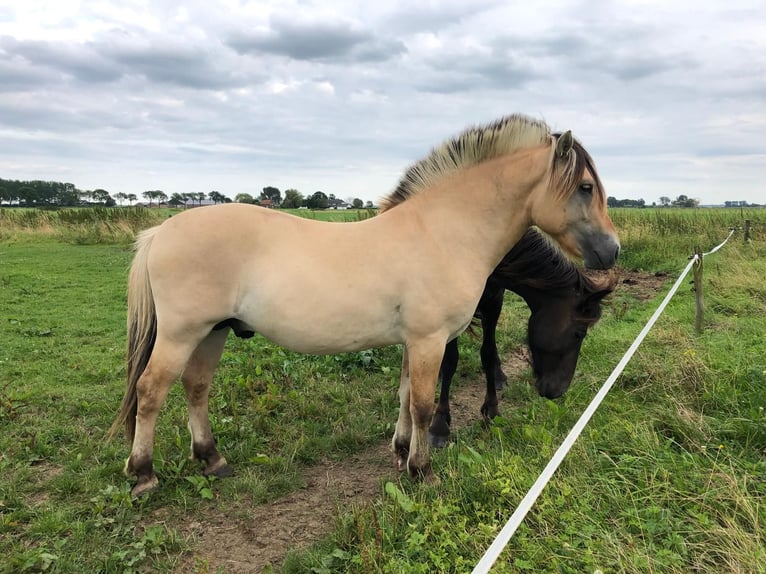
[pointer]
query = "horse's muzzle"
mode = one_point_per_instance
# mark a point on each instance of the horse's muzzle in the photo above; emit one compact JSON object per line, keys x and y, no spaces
{"x":601,"y":252}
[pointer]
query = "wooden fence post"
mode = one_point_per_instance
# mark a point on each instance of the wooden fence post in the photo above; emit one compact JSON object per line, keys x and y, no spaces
{"x":747,"y":230}
{"x":698,"y":295}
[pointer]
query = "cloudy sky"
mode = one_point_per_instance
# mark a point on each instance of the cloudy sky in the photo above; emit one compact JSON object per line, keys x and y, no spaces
{"x":227,"y":95}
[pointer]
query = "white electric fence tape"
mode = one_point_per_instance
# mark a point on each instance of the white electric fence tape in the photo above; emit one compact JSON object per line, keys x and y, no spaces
{"x":492,"y":553}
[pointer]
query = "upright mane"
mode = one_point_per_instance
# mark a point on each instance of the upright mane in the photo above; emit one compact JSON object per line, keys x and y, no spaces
{"x":473,"y":146}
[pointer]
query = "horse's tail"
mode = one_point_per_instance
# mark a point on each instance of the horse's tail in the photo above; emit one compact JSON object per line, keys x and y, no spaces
{"x":142,"y":332}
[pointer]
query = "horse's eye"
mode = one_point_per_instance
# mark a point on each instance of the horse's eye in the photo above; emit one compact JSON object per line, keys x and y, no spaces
{"x":586,"y":188}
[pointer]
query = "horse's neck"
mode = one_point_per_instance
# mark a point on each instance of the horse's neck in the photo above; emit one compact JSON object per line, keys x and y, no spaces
{"x":479,"y":213}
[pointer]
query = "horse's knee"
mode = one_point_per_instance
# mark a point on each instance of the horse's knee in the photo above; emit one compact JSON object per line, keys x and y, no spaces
{"x":421,"y":413}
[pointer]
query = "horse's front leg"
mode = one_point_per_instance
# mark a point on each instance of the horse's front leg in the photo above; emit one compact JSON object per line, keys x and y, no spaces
{"x":403,"y":433}
{"x":425,"y":356}
{"x":439,"y":431}
{"x":491,"y":306}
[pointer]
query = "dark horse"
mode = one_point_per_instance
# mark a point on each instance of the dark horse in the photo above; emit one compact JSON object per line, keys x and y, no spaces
{"x":564,"y":303}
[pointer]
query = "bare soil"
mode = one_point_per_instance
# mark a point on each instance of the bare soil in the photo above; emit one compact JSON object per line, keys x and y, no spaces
{"x":224,"y":543}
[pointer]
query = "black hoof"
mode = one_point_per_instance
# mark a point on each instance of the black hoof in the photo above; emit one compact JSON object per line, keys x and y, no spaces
{"x":223,"y":471}
{"x":437,"y":441}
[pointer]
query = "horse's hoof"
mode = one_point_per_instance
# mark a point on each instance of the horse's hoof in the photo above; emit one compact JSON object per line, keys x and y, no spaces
{"x":437,"y":441}
{"x":432,"y":479}
{"x":144,"y":486}
{"x":425,"y":476}
{"x":400,"y":462}
{"x":223,"y":471}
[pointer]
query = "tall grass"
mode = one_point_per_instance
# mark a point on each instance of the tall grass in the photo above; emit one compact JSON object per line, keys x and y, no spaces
{"x":104,"y":225}
{"x":654,"y":239}
{"x":82,"y":226}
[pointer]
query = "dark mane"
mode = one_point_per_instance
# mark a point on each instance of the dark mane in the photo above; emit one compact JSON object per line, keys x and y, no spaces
{"x":473,"y":146}
{"x":535,"y":262}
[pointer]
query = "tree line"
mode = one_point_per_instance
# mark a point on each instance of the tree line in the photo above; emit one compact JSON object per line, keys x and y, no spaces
{"x":294,"y":199}
{"x":39,"y":193}
{"x":680,"y":201}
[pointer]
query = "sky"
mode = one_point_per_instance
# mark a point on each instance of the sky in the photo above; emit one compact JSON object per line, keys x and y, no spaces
{"x":668,"y":97}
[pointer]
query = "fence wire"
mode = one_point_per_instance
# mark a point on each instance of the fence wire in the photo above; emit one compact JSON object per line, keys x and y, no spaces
{"x":502,"y":539}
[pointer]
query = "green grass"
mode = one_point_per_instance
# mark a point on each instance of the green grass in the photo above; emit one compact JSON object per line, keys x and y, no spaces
{"x":61,"y":352}
{"x":668,"y":476}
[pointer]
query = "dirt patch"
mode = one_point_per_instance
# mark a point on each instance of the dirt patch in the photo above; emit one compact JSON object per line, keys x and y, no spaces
{"x":641,"y":285}
{"x":293,"y":522}
{"x":44,"y":472}
{"x":225,"y":544}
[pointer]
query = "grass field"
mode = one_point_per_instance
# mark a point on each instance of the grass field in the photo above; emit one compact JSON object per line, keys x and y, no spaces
{"x":668,"y":477}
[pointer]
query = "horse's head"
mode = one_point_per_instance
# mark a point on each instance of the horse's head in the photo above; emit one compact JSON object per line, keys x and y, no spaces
{"x":557,"y":327}
{"x":573,"y":208}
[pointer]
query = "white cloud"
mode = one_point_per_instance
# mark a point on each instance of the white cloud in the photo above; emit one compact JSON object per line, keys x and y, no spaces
{"x":132,"y":95}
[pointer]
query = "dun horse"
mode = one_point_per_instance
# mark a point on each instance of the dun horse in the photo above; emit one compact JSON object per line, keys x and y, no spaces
{"x":564,"y":303}
{"x":412,"y":275}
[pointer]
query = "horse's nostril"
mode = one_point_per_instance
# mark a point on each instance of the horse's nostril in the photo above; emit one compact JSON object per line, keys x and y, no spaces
{"x":616,"y":253}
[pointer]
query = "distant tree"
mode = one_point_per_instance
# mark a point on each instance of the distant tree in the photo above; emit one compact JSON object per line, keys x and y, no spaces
{"x":67,"y":195}
{"x":120,"y":197}
{"x":684,"y":201}
{"x":664,"y":201}
{"x":28,"y":196}
{"x":155,"y":195}
{"x":244,"y":198}
{"x":614,"y":202}
{"x":187,"y":197}
{"x":132,"y":198}
{"x":317,"y":200}
{"x":357,"y":203}
{"x":273,"y":194}
{"x":102,"y":196}
{"x":176,"y":199}
{"x":369,"y":205}
{"x":216,"y":197}
{"x":293,"y":199}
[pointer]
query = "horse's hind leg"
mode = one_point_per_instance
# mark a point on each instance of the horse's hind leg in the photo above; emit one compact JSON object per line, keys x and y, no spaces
{"x":164,"y":367}
{"x":197,"y":377}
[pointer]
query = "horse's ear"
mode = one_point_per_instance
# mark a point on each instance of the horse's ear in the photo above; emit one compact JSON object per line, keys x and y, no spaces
{"x":590,"y":307}
{"x":564,"y":144}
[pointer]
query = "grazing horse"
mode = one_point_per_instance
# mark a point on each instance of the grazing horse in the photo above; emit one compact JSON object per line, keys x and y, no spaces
{"x":564,"y":302}
{"x":411,"y":275}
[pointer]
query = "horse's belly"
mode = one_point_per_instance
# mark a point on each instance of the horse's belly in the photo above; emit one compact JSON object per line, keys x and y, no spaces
{"x":321,"y":331}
